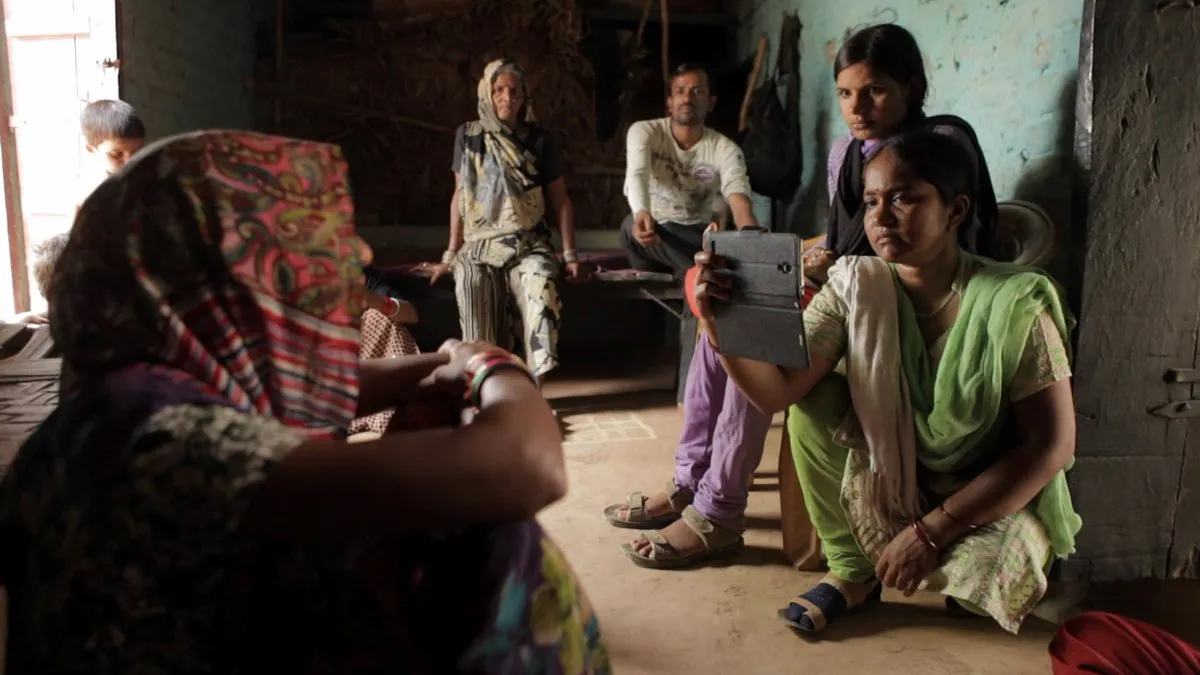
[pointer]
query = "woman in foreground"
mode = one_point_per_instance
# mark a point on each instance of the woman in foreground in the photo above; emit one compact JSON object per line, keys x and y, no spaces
{"x":937,"y":460}
{"x":190,"y":506}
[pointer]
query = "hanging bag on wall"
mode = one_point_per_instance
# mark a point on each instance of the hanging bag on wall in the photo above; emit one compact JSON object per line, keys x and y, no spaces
{"x":771,"y":140}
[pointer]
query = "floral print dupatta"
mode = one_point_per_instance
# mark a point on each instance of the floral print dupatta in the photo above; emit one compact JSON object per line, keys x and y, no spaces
{"x":206,"y":308}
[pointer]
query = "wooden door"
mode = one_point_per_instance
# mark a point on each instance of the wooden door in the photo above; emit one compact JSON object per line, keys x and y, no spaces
{"x":62,"y":54}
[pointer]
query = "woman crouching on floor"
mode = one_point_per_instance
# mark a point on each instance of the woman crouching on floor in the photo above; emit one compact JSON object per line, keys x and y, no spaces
{"x":935,"y":459}
{"x":191,"y":506}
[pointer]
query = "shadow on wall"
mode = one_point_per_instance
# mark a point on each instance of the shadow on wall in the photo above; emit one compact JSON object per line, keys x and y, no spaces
{"x":808,"y":213}
{"x":1047,"y":181}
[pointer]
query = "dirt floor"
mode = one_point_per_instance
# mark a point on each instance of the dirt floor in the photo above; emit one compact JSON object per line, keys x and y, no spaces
{"x":723,"y":620}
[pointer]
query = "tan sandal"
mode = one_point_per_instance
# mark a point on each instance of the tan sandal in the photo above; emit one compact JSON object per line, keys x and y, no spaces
{"x":718,"y":543}
{"x":638,"y":519}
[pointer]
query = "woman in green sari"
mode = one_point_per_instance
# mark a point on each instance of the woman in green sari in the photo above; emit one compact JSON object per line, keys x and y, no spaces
{"x":933,"y":428}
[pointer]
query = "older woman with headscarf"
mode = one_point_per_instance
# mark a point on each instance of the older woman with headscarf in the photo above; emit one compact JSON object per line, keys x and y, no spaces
{"x":191,"y":507}
{"x":505,"y":168}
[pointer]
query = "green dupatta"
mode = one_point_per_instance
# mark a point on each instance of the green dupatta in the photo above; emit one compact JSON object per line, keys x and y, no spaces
{"x":957,"y":403}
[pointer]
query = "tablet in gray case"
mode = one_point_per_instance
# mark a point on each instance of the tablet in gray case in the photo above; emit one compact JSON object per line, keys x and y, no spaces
{"x":764,"y":321}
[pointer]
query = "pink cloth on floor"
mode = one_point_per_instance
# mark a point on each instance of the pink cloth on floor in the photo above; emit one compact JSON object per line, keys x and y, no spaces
{"x":1107,"y":644}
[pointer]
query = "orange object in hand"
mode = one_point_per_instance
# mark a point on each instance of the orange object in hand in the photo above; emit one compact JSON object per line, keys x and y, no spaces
{"x":689,"y":290}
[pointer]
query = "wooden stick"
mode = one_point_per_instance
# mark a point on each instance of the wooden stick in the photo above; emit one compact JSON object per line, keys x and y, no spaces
{"x":759,"y":58}
{"x":665,"y":17}
{"x":642,"y":26}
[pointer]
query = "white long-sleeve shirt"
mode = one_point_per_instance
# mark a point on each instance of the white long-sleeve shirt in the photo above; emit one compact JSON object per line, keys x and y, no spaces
{"x":677,"y":185}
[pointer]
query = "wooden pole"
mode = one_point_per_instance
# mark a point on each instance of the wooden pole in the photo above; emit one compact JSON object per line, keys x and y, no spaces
{"x":759,"y":58}
{"x":642,"y":26}
{"x":665,"y":17}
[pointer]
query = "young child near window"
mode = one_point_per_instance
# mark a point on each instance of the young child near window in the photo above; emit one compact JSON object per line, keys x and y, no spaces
{"x":113,"y":133}
{"x":46,"y":255}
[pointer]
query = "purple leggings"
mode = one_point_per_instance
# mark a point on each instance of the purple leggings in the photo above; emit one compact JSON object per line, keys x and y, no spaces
{"x":721,"y":443}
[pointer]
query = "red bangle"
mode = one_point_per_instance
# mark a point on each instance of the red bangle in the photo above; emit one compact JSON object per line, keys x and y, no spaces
{"x":477,"y":362}
{"x":916,"y":526}
{"x":482,"y":366}
{"x":395,"y":307}
{"x":950,"y":517}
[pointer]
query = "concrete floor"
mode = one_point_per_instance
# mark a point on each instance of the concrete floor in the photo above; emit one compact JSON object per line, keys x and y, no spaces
{"x":723,"y":620}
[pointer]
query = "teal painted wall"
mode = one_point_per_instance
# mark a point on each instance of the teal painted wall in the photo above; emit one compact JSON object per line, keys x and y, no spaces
{"x":1006,"y":66}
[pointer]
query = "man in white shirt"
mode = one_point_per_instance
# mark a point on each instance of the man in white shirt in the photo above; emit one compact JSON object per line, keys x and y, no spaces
{"x":676,"y":167}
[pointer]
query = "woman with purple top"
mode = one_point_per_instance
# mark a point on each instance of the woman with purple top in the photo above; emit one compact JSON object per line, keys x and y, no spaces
{"x":881,"y":86}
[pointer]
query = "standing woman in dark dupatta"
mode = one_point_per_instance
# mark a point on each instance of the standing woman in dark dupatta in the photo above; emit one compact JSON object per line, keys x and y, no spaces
{"x":881,"y":88}
{"x":191,"y":507}
{"x":506,"y":168}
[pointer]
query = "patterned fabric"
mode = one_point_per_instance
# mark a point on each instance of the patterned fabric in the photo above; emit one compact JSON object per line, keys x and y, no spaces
{"x":381,"y":339}
{"x":1044,"y":360}
{"x":230,"y":258}
{"x":505,"y":273}
{"x":193,"y":284}
{"x":128,"y":501}
{"x":513,"y":300}
{"x":499,"y":191}
{"x":1000,"y":569}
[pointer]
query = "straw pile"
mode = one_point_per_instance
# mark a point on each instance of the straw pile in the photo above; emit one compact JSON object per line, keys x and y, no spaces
{"x":392,"y":90}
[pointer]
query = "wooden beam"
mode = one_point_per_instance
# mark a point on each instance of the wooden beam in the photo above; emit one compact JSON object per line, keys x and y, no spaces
{"x":752,"y":83}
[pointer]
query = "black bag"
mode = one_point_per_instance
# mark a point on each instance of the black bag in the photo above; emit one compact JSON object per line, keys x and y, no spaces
{"x":771,"y":141}
{"x":771,"y":145}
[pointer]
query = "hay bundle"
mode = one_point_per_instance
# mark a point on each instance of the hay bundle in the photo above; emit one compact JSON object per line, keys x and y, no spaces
{"x":392,"y":90}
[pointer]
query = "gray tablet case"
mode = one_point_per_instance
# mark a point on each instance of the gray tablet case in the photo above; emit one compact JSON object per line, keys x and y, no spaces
{"x":764,"y":321}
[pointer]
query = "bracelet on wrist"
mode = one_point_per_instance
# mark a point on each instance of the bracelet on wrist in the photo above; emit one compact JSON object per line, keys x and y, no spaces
{"x":483,"y":365}
{"x":949,"y":516}
{"x":924,"y":536}
{"x":449,"y":255}
{"x":570,"y":256}
{"x":391,"y":307}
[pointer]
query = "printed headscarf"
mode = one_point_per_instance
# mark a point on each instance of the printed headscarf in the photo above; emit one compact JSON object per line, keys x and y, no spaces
{"x":228,"y":259}
{"x":504,"y":171}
